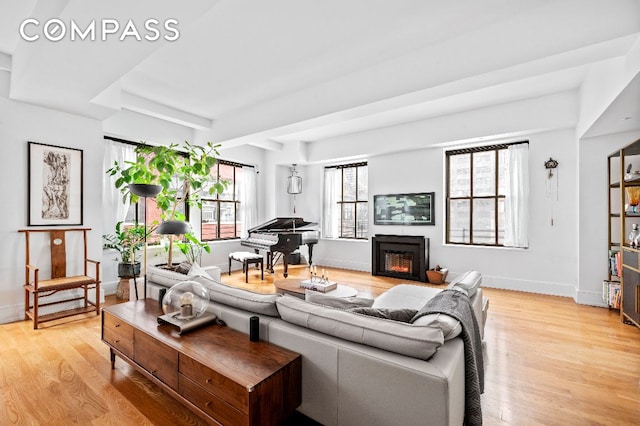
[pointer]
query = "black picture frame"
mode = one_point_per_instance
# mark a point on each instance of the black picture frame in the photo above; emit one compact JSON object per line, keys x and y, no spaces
{"x":404,"y":209}
{"x":55,"y":185}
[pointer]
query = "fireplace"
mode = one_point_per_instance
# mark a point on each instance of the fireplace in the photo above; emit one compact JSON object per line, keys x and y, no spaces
{"x":400,"y":256}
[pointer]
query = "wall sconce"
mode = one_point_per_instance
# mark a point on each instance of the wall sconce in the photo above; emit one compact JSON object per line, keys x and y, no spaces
{"x":294,"y":185}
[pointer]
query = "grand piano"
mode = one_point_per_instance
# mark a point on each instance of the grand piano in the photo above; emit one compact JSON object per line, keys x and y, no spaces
{"x":280,"y":237}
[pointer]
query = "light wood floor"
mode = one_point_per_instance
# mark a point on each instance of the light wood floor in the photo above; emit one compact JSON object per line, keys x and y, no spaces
{"x":549,"y":362}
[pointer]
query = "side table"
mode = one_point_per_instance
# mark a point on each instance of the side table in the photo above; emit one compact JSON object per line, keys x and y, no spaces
{"x":214,"y":371}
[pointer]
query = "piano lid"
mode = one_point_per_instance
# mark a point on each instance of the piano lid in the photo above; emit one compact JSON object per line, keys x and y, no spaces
{"x":284,"y":224}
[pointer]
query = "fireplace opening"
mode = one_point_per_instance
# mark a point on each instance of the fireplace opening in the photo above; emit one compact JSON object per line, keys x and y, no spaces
{"x":400,"y":256}
{"x":398,"y":262}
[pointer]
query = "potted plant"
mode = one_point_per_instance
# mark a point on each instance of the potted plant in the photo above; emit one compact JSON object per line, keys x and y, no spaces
{"x":182,"y":173}
{"x":127,"y":240}
{"x":192,"y":248}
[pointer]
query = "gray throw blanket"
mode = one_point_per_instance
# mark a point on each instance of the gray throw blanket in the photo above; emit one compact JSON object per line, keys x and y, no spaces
{"x":457,"y":305}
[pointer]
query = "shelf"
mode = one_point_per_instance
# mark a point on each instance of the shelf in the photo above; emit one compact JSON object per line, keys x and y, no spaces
{"x":626,"y":183}
{"x":619,"y":165}
{"x":627,"y":215}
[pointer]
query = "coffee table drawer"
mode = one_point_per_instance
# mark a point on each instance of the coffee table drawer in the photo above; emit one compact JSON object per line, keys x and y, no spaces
{"x":215,"y":383}
{"x":157,"y":358}
{"x":211,"y":404}
{"x":117,"y":333}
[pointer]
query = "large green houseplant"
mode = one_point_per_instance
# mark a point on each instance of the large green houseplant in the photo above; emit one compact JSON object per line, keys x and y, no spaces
{"x":180,"y":171}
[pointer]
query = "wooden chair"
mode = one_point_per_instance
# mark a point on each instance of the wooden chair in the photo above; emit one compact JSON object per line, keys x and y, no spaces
{"x":38,"y":288}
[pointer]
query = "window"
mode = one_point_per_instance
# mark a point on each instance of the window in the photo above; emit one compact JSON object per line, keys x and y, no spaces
{"x":487,"y":195}
{"x":221,"y":212}
{"x":346,"y":211}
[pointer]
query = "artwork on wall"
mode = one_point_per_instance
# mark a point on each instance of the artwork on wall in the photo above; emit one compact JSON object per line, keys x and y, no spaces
{"x":55,"y":185}
{"x":404,"y":209}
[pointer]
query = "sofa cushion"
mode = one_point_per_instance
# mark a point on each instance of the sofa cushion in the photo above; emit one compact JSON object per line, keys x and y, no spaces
{"x":409,"y":296}
{"x":402,"y":315}
{"x":258,"y":303}
{"x":337,"y":302}
{"x":470,"y":281}
{"x":407,"y":339}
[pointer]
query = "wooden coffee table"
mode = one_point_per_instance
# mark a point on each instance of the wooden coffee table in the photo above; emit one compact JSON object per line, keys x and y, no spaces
{"x":292,"y":286}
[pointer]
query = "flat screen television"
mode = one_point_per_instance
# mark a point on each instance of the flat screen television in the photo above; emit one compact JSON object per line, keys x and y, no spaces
{"x":404,"y":209}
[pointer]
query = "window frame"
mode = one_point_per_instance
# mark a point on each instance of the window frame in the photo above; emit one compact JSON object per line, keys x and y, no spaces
{"x":218,"y":203}
{"x":341,"y":202}
{"x":496,"y":197}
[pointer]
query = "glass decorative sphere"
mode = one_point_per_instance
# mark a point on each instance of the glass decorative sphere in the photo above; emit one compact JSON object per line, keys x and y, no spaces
{"x":186,"y":300}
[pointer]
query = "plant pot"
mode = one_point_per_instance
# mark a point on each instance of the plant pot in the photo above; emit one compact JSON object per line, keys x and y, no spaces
{"x":128,"y":270}
{"x":144,"y":189}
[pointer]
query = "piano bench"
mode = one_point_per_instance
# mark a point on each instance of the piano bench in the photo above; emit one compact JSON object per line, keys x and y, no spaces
{"x":247,"y":258}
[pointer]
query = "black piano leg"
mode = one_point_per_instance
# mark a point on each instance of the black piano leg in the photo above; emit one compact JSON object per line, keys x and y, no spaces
{"x":270,"y":261}
{"x":310,"y":254}
{"x":285,"y":260}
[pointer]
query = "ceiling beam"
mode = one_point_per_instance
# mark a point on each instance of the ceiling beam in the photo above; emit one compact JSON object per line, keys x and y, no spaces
{"x":154,"y":109}
{"x":5,"y":62}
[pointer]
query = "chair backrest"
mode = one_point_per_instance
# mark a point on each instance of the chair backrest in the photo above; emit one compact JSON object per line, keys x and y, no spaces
{"x":57,"y":243}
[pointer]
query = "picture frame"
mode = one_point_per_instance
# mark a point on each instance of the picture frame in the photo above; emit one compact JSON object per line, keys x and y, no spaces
{"x":404,"y":209}
{"x":55,"y":184}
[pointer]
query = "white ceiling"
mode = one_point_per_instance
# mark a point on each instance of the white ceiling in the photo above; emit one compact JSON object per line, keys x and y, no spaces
{"x":305,"y":70}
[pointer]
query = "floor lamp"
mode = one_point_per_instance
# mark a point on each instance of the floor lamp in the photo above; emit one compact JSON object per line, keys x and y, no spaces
{"x":145,"y":191}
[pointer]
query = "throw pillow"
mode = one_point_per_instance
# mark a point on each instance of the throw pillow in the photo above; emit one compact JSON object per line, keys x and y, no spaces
{"x":197,"y":271}
{"x":184,"y":267}
{"x":402,"y":315}
{"x":337,"y":302}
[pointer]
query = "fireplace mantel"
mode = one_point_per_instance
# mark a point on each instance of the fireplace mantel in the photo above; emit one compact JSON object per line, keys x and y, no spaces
{"x":413,"y":248}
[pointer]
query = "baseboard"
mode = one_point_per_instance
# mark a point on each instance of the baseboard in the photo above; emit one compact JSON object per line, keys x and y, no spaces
{"x":343,"y":264}
{"x":108,"y":288}
{"x":529,"y":286}
{"x":11,"y":313}
{"x":590,"y":298}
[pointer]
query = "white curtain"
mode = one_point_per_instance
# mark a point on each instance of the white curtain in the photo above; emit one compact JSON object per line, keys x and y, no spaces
{"x":114,"y":209}
{"x":516,"y":204}
{"x":330,"y":207}
{"x":248,"y":195}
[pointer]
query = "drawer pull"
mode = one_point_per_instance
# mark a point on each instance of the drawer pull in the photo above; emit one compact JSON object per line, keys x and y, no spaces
{"x":208,"y":404}
{"x":208,"y":381}
{"x":116,"y":341}
{"x":117,"y":325}
{"x":153,"y":372}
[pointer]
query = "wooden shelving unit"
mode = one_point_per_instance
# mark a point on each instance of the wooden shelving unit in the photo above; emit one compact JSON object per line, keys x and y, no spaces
{"x":620,"y":223}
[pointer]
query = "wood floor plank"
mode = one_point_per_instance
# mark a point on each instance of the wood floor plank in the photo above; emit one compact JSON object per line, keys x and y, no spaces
{"x":549,"y":361}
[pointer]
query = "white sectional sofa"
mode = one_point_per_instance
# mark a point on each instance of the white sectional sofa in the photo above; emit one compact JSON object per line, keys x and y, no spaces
{"x":357,"y":369}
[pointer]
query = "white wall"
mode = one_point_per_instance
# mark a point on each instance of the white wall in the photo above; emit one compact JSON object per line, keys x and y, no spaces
{"x":548,"y":266}
{"x":20,"y":123}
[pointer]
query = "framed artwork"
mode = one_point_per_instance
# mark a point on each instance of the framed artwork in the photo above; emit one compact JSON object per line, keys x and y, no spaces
{"x":55,"y":185}
{"x":404,"y":209}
